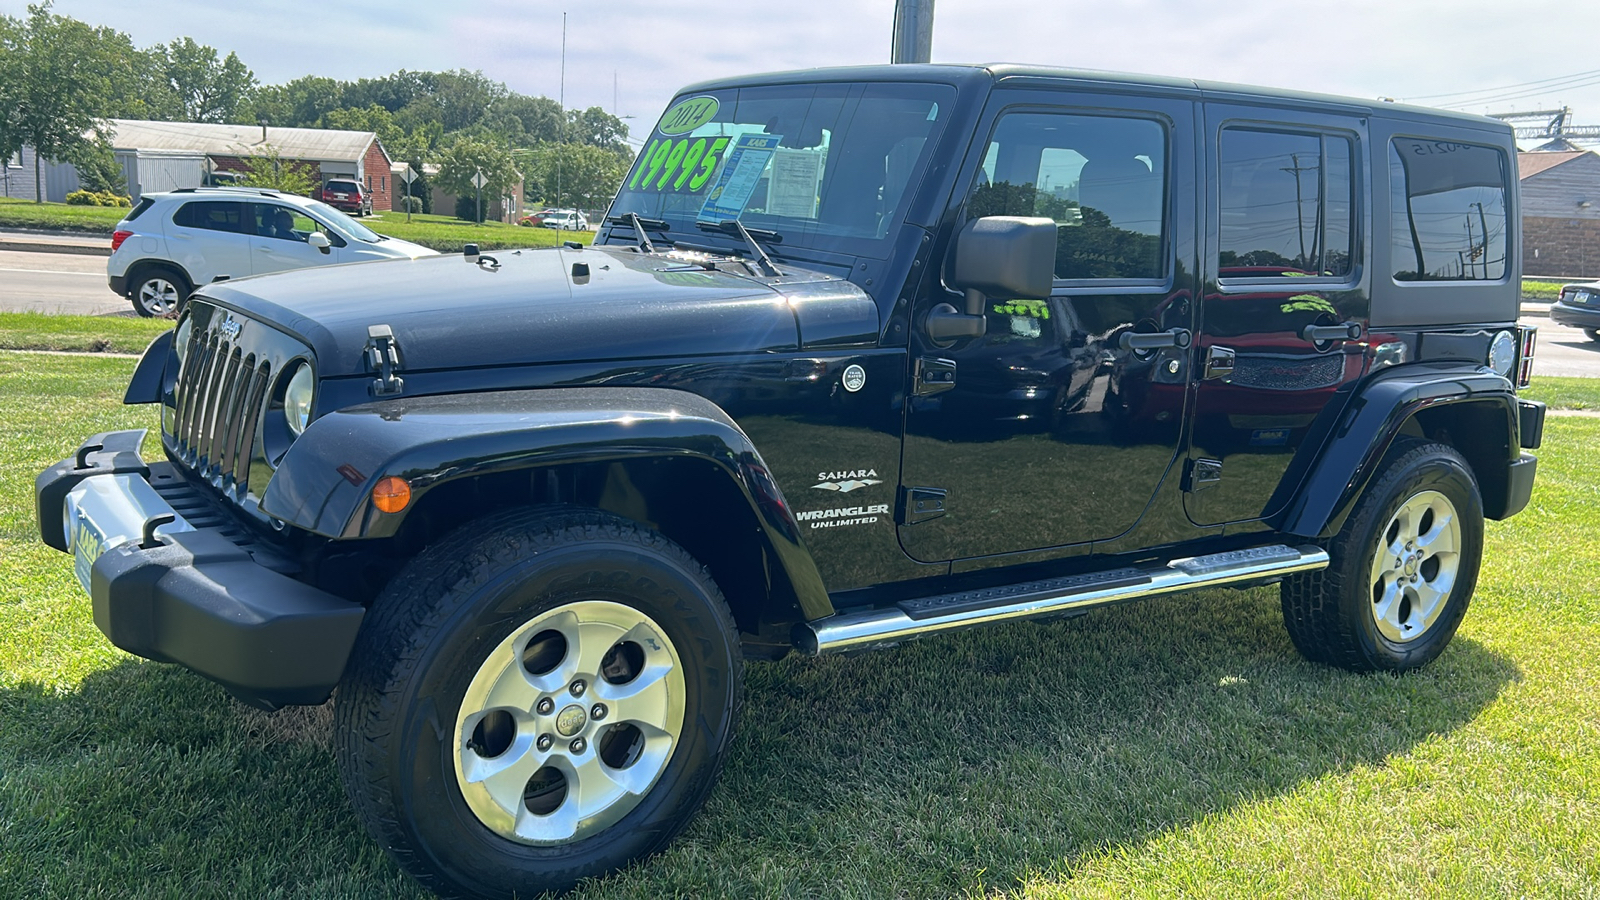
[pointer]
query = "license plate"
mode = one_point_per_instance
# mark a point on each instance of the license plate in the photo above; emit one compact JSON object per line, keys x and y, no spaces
{"x":107,"y":511}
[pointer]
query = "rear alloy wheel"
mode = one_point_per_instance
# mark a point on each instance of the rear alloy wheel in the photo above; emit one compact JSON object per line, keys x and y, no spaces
{"x":1402,"y":570}
{"x":158,"y":292}
{"x":541,"y":697}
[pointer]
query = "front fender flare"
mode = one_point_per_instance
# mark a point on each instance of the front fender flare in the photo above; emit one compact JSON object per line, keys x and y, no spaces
{"x":1354,"y":447}
{"x":324,"y":483}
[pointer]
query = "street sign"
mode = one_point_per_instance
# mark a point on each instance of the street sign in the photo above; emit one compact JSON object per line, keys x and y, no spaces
{"x":408,"y":174}
{"x":479,"y":179}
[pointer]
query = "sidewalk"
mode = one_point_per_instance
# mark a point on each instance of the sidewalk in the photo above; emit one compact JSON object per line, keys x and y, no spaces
{"x":55,"y":242}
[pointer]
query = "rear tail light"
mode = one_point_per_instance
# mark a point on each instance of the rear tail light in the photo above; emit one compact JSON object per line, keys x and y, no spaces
{"x":117,"y":237}
{"x":1529,"y":342}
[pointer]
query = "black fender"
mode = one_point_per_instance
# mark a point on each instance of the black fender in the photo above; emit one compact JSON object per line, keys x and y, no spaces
{"x":155,"y":375}
{"x":324,"y":482}
{"x":1354,"y":445}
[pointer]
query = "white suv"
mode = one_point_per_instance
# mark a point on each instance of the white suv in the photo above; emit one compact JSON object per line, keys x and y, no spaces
{"x":171,"y":242}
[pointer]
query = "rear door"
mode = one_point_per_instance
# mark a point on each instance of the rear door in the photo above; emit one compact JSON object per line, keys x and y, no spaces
{"x":1285,"y":313}
{"x":210,"y":240}
{"x":1049,"y":431}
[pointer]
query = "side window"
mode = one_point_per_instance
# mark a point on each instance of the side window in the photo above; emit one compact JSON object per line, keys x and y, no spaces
{"x":1447,"y":206}
{"x":287,"y":224}
{"x":212,"y":215}
{"x":1101,"y":178}
{"x":1286,"y":206}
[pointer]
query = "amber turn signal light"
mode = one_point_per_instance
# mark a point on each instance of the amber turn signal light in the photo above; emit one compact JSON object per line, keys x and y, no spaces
{"x":391,"y":494}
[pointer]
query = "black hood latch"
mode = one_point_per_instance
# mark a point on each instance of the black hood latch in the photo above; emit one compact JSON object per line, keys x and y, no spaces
{"x":383,"y":359}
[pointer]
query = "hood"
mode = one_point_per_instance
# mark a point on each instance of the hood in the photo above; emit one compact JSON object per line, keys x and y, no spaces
{"x":538,"y":306}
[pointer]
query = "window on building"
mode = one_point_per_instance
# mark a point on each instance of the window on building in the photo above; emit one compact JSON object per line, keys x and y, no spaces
{"x":1101,"y":178}
{"x":1447,"y":205}
{"x":1286,"y":205}
{"x":15,"y":162}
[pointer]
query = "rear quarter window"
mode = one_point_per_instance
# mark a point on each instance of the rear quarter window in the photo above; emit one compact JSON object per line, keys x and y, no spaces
{"x":1447,"y":210}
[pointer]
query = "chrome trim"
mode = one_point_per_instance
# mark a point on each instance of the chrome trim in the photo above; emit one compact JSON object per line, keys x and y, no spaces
{"x":884,"y":627}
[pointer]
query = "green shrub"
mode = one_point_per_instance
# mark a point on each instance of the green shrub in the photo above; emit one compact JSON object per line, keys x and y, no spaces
{"x":411,"y":204}
{"x":83,"y":198}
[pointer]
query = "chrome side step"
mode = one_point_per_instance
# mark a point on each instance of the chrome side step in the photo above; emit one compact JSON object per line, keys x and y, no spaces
{"x":928,"y":615}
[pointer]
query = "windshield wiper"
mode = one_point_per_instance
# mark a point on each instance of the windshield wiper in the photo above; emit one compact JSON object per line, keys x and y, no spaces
{"x":752,"y":239}
{"x":638,"y":224}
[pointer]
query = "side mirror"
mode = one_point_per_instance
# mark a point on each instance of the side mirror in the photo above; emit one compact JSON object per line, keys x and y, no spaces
{"x":1001,"y":256}
{"x":318,"y":240}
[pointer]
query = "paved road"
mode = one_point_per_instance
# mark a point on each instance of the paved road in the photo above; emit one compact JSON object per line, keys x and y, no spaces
{"x":57,"y":283}
{"x":1564,"y":350}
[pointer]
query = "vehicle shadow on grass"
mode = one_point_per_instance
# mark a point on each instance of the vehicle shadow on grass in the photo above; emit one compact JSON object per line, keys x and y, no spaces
{"x":953,"y":765}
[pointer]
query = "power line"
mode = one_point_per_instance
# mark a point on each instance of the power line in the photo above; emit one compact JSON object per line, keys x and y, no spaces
{"x":1508,"y":87}
{"x":1502,"y":98}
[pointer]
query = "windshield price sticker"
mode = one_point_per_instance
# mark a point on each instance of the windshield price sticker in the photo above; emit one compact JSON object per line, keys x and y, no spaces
{"x":688,"y":115}
{"x":676,"y":163}
{"x":739,"y":177}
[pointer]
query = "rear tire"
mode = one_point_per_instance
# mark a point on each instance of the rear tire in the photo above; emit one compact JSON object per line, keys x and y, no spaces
{"x":1401,"y":571}
{"x":1593,"y":333}
{"x":541,"y":697}
{"x":158,"y":291}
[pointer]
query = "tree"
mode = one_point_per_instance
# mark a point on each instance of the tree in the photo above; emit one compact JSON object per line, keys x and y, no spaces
{"x":597,"y":128}
{"x":60,"y":73}
{"x":297,"y":104}
{"x":196,"y":85}
{"x":581,"y":176}
{"x":98,"y":169}
{"x":466,"y":157}
{"x":266,"y":168}
{"x":374,"y":118}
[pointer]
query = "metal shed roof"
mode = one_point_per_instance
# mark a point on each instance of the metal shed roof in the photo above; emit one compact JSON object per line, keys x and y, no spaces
{"x":240,"y":140}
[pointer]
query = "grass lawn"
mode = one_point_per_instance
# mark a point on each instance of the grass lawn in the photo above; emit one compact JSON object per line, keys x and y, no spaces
{"x":1177,"y":747}
{"x":1533,"y":289}
{"x":443,"y":233}
{"x":89,"y":334}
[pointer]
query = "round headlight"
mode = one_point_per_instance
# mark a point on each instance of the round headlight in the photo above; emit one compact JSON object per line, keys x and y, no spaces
{"x":297,"y":399}
{"x":1503,"y":354}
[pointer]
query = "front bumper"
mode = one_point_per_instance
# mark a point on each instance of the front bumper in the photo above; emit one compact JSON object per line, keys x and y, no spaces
{"x":172,"y":592}
{"x":1576,"y":316}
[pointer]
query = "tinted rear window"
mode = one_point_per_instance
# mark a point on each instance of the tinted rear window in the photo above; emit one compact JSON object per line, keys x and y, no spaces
{"x":212,"y":215}
{"x":139,"y":208}
{"x":1448,"y":210}
{"x":349,"y":187}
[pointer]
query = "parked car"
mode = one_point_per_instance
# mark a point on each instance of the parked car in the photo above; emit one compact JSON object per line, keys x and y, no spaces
{"x":536,"y":219}
{"x":565,"y":219}
{"x":347,"y":195}
{"x":529,"y":512}
{"x":171,"y":243}
{"x":1579,"y":306}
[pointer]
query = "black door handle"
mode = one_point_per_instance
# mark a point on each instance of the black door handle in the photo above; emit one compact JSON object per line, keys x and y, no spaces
{"x":1327,"y":334}
{"x":1177,"y":337}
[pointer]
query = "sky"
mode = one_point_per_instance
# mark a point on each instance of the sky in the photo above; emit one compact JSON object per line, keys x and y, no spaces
{"x":630,"y":56}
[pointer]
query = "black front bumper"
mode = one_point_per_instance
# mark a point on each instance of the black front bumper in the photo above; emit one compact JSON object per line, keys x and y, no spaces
{"x":199,"y":599}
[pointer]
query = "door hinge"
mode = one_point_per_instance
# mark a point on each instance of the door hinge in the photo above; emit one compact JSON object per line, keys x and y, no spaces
{"x":920,"y":504}
{"x":934,"y":375}
{"x":1199,"y":474}
{"x":383,"y":359}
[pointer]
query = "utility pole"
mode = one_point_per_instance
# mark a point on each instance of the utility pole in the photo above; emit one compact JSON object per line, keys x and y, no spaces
{"x":912,"y":41}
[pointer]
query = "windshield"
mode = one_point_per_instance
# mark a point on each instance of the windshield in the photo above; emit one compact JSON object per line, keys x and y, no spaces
{"x":828,"y":166}
{"x":343,"y":222}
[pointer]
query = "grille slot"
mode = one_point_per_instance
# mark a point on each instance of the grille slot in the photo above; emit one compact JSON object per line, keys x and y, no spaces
{"x":220,"y":396}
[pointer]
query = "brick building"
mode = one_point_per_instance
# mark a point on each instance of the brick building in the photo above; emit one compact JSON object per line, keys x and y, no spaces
{"x":1560,"y":213}
{"x":158,"y":156}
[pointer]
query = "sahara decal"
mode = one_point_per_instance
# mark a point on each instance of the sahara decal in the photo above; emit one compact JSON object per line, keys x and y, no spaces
{"x":846,"y":481}
{"x":839,"y":518}
{"x":855,"y":378}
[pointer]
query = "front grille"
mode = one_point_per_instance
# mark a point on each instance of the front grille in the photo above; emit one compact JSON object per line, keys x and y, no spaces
{"x":219,"y":394}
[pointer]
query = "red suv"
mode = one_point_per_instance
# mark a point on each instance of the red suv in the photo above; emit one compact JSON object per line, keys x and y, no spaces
{"x":347,"y":195}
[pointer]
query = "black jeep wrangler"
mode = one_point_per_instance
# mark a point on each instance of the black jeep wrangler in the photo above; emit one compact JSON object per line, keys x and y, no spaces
{"x":857,"y":356}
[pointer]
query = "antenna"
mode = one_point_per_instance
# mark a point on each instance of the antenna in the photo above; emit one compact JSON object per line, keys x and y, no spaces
{"x":561,"y":135}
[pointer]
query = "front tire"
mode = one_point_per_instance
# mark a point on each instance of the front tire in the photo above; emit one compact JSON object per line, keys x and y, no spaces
{"x":1401,"y":571}
{"x":539,"y":698}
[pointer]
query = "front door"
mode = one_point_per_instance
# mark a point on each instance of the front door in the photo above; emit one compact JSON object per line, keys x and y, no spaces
{"x":1053,"y":430}
{"x":280,"y":239}
{"x":1286,"y":305}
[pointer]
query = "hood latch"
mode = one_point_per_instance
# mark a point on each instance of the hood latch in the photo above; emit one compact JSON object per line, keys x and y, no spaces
{"x":383,"y":358}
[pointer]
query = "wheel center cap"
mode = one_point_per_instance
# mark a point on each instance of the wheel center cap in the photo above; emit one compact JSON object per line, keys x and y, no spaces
{"x":571,"y":721}
{"x":1411,"y":565}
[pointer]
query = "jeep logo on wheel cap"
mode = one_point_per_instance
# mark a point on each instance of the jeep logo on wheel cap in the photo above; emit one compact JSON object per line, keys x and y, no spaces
{"x":570,"y":721}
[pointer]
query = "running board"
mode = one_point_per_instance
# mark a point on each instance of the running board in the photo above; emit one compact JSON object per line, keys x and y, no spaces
{"x":909,"y":619}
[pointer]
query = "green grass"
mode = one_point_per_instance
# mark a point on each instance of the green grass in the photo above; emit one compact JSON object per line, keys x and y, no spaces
{"x":1176,"y":747}
{"x":1534,"y":289}
{"x":26,"y":214}
{"x":1564,"y":393}
{"x":89,"y":334}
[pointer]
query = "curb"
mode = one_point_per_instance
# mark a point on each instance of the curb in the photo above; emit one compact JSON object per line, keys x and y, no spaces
{"x":43,"y":247}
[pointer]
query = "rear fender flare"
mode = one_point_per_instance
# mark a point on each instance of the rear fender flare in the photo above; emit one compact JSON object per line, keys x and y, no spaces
{"x":324,"y":482}
{"x":1353,"y":449}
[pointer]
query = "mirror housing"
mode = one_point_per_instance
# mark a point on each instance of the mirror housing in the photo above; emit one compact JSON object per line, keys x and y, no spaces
{"x":318,"y":240}
{"x":1008,"y":256}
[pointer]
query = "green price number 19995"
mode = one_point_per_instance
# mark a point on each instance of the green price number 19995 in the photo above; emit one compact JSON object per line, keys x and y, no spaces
{"x":692,"y":160}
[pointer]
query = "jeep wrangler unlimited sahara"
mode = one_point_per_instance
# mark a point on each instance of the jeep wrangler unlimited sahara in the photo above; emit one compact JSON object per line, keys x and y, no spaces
{"x":857,"y":356}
